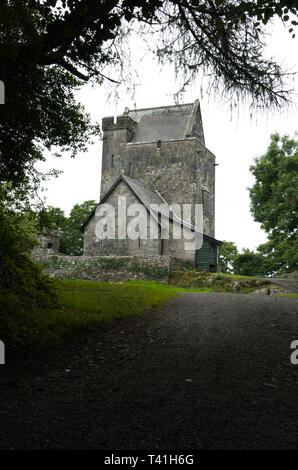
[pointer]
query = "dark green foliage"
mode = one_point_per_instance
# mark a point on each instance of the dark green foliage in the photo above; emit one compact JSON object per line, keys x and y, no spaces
{"x":280,"y":253}
{"x":274,"y":205}
{"x":112,"y":264}
{"x":53,"y":218}
{"x":50,"y":48}
{"x":50,"y":219}
{"x":23,"y":286}
{"x":274,"y":194}
{"x":227,"y":253}
{"x":79,"y":306}
{"x":249,"y":263}
{"x":274,"y":202}
{"x":72,"y":239}
{"x":40,"y":110}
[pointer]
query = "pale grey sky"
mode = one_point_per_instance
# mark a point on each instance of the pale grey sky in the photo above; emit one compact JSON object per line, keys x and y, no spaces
{"x":235,"y":138}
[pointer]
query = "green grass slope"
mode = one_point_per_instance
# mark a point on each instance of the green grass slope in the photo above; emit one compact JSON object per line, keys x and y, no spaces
{"x":77,"y":306}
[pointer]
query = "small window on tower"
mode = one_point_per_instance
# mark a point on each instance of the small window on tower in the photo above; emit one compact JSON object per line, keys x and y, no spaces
{"x":112,"y":161}
{"x":206,"y":201}
{"x":158,"y":144}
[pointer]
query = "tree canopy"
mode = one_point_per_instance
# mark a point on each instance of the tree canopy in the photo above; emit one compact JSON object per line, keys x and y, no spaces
{"x":274,"y":204}
{"x":227,"y":253}
{"x":49,"y":48}
{"x":23,"y":286}
{"x":274,"y":194}
{"x":72,"y":239}
{"x":50,"y":219}
{"x":274,"y":201}
{"x":249,"y":263}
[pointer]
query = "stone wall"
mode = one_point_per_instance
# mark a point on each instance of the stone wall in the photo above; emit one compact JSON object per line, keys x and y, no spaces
{"x":117,"y":246}
{"x":140,"y":246}
{"x":179,"y":170}
{"x":106,"y":268}
{"x":48,"y":245}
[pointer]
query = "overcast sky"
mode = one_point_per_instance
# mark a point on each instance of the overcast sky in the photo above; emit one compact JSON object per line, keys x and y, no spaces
{"x":235,"y":138}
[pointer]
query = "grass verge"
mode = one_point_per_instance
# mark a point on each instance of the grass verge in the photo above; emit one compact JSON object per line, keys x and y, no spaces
{"x":79,"y":306}
{"x":217,"y":282}
{"x":166,"y":287}
{"x":219,"y":285}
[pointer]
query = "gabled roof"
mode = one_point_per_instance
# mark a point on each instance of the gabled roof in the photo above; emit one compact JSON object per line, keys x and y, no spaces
{"x":167,"y":123}
{"x":147,"y":197}
{"x":143,"y":194}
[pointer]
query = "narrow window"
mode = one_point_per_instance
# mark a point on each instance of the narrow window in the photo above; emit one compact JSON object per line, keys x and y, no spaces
{"x":158,"y":144}
{"x":130,"y":169}
{"x":206,"y":201}
{"x":112,"y":161}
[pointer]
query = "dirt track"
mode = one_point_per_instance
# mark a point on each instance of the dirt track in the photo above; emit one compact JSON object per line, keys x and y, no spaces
{"x":208,"y":371}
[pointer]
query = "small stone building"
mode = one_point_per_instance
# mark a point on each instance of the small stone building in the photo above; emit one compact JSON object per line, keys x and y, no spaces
{"x":48,"y":244}
{"x":157,"y":156}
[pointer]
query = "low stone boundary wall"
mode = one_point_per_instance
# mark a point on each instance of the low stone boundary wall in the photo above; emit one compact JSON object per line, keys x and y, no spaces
{"x":106,"y":268}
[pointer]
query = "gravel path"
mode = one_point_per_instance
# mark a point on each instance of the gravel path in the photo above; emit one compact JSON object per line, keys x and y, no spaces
{"x":208,"y":371}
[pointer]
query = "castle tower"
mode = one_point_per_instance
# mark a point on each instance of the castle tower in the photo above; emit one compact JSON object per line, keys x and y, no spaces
{"x":155,"y":156}
{"x":164,"y":149}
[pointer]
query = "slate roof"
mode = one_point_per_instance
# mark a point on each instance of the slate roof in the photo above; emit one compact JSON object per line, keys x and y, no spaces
{"x":164,"y":123}
{"x":143,"y":194}
{"x":167,"y":122}
{"x":147,"y":197}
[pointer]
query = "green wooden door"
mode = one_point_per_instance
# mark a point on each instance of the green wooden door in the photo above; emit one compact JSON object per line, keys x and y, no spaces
{"x":206,"y":257}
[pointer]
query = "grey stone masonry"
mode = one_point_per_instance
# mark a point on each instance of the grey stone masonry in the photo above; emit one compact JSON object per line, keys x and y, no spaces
{"x":134,"y":192}
{"x":164,"y":149}
{"x":151,"y":157}
{"x":48,"y":244}
{"x":105,"y":268}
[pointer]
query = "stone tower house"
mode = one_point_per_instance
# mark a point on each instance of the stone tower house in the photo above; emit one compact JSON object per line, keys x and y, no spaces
{"x":163,"y":150}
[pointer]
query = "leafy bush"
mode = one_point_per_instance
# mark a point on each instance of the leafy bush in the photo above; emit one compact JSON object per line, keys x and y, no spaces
{"x":249,"y":263}
{"x":23,"y":286}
